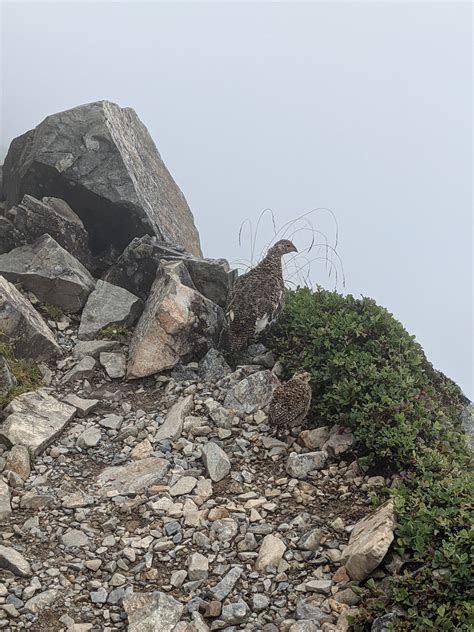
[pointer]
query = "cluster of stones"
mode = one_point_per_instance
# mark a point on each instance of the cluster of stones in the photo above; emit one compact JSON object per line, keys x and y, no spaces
{"x":141,"y":487}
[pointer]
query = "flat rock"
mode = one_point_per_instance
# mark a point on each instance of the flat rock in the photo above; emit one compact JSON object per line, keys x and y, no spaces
{"x":93,"y":348}
{"x":43,"y":600}
{"x":34,"y":420}
{"x":300,"y":465}
{"x":369,"y":542}
{"x":133,"y":477}
{"x":251,"y":393}
{"x":223,"y":588}
{"x":340,"y":440}
{"x":89,"y":438}
{"x":106,"y":306}
{"x":50,"y":272}
{"x":82,"y":406}
{"x":216,"y":461}
{"x":270,"y":554}
{"x":152,"y":611}
{"x":115,"y":364}
{"x":74,"y":538}
{"x":13,"y":561}
{"x":198,"y":567}
{"x":174,"y":421}
{"x":178,"y":324}
{"x":183,"y":486}
{"x":30,"y":335}
{"x":33,"y":218}
{"x":5,"y":506}
{"x":101,"y":160}
{"x":82,"y":370}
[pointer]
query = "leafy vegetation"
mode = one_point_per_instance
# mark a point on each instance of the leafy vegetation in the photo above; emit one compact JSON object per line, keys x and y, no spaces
{"x":369,"y":374}
{"x":113,"y":332}
{"x":27,"y":374}
{"x":53,"y":312}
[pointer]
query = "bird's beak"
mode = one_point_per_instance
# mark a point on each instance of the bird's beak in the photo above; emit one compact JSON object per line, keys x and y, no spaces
{"x":295,"y":249}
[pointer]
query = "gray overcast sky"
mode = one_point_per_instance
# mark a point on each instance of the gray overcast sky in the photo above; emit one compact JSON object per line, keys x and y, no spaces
{"x":361,"y":107}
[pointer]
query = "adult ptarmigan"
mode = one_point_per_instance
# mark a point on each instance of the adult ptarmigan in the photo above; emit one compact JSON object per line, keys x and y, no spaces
{"x":257,"y":298}
{"x":290,"y":403}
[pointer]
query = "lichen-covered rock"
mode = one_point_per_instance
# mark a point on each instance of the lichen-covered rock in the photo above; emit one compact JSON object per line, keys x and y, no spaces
{"x":34,"y":419}
{"x":152,"y":611}
{"x":213,"y":367}
{"x":5,"y":506}
{"x":50,"y":272}
{"x":177,"y":325}
{"x":252,"y":393}
{"x":101,"y":160}
{"x":133,"y":477}
{"x":300,"y":465}
{"x":29,"y":334}
{"x":369,"y":542}
{"x":33,"y":218}
{"x":108,"y":305}
{"x":136,"y":268}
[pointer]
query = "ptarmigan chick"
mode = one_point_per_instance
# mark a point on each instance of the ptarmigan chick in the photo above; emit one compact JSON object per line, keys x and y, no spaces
{"x":290,"y":404}
{"x":257,"y":298}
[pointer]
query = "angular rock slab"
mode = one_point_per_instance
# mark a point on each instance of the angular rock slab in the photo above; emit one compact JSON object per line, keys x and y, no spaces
{"x":252,"y":393}
{"x":173,"y":425}
{"x":34,"y":420}
{"x":369,"y":542}
{"x":270,"y":554}
{"x":108,"y":305}
{"x":177,"y":325}
{"x":133,"y":477}
{"x":102,"y":161}
{"x":33,"y":218}
{"x":14,"y":561}
{"x":300,"y":465}
{"x":30,"y":335}
{"x":216,"y":461}
{"x":136,"y":269}
{"x":152,"y":611}
{"x":50,"y":272}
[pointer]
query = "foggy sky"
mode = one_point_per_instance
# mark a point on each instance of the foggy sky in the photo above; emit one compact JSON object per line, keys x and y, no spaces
{"x":364,"y":108}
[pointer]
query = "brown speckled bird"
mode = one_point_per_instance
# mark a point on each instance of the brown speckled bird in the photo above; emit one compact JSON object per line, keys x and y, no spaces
{"x":257,"y":298}
{"x":290,"y":404}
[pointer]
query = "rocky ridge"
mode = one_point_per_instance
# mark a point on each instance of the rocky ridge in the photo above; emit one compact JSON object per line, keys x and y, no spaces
{"x":141,"y":487}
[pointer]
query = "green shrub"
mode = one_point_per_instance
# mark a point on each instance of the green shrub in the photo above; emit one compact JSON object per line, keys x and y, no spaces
{"x":53,"y":312}
{"x":113,"y":332}
{"x":435,"y":529}
{"x":27,"y":374}
{"x":369,"y":374}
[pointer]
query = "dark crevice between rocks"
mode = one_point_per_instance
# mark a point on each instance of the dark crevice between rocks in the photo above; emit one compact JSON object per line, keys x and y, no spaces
{"x":107,"y":223}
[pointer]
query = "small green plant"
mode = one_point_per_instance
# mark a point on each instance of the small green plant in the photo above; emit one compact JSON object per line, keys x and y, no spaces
{"x":27,"y":374}
{"x":53,"y":312}
{"x":113,"y":332}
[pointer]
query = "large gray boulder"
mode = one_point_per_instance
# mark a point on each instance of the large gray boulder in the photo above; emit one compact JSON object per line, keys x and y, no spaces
{"x":136,"y":269}
{"x":108,"y":305}
{"x":33,"y":218}
{"x":102,"y":161}
{"x":29,"y":334}
{"x":50,"y":272}
{"x":177,"y":325}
